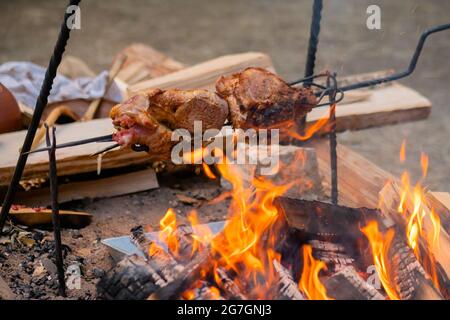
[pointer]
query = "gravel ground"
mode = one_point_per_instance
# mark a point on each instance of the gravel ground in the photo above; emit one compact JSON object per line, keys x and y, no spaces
{"x":195,"y":30}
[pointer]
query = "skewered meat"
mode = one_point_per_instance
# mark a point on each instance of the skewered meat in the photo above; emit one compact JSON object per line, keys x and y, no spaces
{"x":258,"y":98}
{"x":149,"y":117}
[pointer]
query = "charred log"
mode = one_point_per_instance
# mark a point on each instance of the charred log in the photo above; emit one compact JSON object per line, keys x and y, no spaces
{"x":286,"y":289}
{"x":228,"y":286}
{"x":347,"y":284}
{"x":409,"y":277}
{"x":323,"y":220}
{"x":333,"y":254}
{"x":131,"y":279}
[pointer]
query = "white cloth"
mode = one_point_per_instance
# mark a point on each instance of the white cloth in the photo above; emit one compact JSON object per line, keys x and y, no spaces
{"x":24,"y":80}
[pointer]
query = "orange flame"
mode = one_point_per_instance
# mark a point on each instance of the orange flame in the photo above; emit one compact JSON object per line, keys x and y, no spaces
{"x":310,"y":129}
{"x":403,"y":151}
{"x":208,"y":172}
{"x":424,"y":164}
{"x":168,"y":226}
{"x":413,"y":205}
{"x":246,"y":246}
{"x":309,"y":282}
{"x":380,"y":245}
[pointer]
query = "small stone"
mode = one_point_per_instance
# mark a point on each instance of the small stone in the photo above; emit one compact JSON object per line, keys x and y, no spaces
{"x":98,"y":272}
{"x":49,"y":266}
{"x":76,"y":234}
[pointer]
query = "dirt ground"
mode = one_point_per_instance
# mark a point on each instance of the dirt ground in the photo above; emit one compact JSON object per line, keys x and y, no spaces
{"x":195,"y":30}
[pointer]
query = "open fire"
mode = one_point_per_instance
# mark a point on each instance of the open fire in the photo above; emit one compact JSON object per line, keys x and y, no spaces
{"x":273,"y":247}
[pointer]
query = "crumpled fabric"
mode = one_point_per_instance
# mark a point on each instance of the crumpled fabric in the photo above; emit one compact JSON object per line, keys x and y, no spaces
{"x":24,"y":80}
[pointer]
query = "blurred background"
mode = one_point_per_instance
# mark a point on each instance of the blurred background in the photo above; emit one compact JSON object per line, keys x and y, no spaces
{"x":196,"y":30}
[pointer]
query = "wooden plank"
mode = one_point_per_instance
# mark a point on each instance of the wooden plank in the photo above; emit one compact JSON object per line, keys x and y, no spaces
{"x":441,"y":202}
{"x":144,"y":62}
{"x":386,"y":105}
{"x":93,"y":189}
{"x":69,"y":160}
{"x":359,"y":180}
{"x":204,"y":75}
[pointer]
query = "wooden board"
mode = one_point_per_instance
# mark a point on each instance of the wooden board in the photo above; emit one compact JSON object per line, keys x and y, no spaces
{"x":93,"y":189}
{"x":69,"y":160}
{"x":359,"y":180}
{"x":385,"y":105}
{"x":204,"y":75}
{"x":144,"y":62}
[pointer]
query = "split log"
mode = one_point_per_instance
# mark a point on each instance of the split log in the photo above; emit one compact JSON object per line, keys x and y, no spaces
{"x":110,"y":186}
{"x":360,"y":182}
{"x":205,"y":74}
{"x":191,"y":272}
{"x":409,"y":277}
{"x":439,"y":255}
{"x":347,"y":284}
{"x":185,"y":240}
{"x":131,"y":279}
{"x":386,"y":105}
{"x":333,"y":254}
{"x":287,"y":288}
{"x":325,"y":220}
{"x":228,"y":286}
{"x":157,"y":258}
{"x":144,"y":63}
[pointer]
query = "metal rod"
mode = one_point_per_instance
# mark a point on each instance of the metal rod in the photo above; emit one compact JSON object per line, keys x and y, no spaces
{"x":313,"y":39}
{"x":331,"y":82}
{"x":396,"y":76}
{"x":407,"y":71}
{"x":106,"y":138}
{"x":41,"y":102}
{"x":105,"y":149}
{"x":55,"y":208}
{"x":312,"y":49}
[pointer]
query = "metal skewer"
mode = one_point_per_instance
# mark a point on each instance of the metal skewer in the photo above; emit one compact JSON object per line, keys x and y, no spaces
{"x":41,"y":102}
{"x":55,"y":208}
{"x":106,"y":138}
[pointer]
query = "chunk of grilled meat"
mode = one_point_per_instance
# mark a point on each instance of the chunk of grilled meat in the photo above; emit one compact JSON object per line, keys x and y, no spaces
{"x":149,"y":117}
{"x":258,"y":98}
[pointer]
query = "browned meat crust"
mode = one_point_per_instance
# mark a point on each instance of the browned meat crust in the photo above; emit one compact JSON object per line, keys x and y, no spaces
{"x":149,"y":117}
{"x":258,"y":98}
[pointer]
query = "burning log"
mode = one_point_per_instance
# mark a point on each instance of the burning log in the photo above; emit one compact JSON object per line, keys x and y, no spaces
{"x":185,"y":250}
{"x":287,"y":289}
{"x":162,"y":261}
{"x":140,"y":240}
{"x":347,"y":284}
{"x":334,"y":255}
{"x":323,"y":220}
{"x":205,"y":292}
{"x":434,"y":259}
{"x":228,"y":286}
{"x":191,"y":272}
{"x":409,"y":277}
{"x":131,"y":279}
